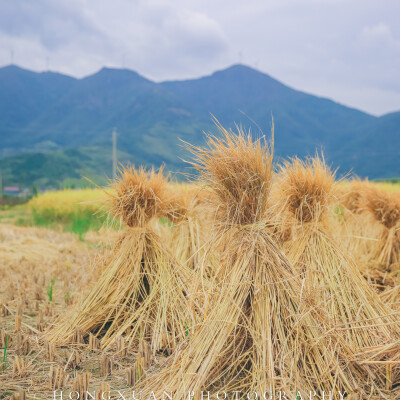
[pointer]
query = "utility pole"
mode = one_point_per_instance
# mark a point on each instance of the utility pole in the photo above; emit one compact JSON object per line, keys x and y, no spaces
{"x":114,"y":152}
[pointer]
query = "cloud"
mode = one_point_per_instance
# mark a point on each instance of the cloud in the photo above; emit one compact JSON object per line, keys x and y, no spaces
{"x":334,"y":48}
{"x":162,"y":40}
{"x":154,"y":37}
{"x":54,"y":25}
{"x":379,"y":36}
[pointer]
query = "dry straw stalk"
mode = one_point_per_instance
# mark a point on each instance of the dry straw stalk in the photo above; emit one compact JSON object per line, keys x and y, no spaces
{"x":385,"y":208}
{"x":256,"y":333}
{"x":142,"y":292}
{"x":332,"y":279}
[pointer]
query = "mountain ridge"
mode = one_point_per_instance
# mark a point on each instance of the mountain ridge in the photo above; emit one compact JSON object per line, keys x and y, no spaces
{"x":48,"y":111}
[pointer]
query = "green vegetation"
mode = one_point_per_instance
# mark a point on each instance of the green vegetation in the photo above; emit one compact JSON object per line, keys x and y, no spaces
{"x":50,"y":290}
{"x":5,"y":354}
{"x":394,"y":181}
{"x":165,"y":221}
{"x":78,"y":223}
{"x":139,"y":371}
{"x":17,"y":215}
{"x":187,"y":331}
{"x":10,"y":201}
{"x":59,"y":169}
{"x":75,"y":211}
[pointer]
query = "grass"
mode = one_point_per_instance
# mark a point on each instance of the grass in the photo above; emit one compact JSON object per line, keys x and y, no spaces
{"x":59,"y":204}
{"x":78,"y":211}
{"x":50,"y":290}
{"x":391,"y":186}
{"x":138,"y":370}
{"x":5,"y":354}
{"x":11,"y":215}
{"x":187,"y":329}
{"x":78,"y":222}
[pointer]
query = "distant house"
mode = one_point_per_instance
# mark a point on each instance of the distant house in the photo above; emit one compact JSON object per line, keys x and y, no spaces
{"x":11,"y":190}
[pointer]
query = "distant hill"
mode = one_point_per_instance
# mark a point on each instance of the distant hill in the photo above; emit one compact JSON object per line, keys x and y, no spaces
{"x":50,"y":114}
{"x":56,"y":169}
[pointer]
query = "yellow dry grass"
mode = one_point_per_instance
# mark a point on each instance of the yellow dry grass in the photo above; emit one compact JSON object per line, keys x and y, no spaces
{"x":66,"y":202}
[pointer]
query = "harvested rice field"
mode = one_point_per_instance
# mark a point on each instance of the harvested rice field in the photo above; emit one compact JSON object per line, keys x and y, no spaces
{"x":257,"y":281}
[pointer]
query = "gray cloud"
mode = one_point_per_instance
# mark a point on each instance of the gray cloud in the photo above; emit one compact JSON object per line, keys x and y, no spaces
{"x":54,"y":25}
{"x":349,"y":51}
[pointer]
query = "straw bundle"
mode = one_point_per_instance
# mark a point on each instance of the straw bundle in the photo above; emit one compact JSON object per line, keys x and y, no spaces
{"x":352,"y":226}
{"x":352,"y":195}
{"x":385,"y":208}
{"x":141,"y":293}
{"x":191,"y":225}
{"x":256,"y":334}
{"x":355,"y":228}
{"x":332,"y":278}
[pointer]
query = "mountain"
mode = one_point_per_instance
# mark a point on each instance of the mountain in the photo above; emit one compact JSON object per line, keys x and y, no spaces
{"x":60,"y":168}
{"x":51,"y":114}
{"x":241,"y":94}
{"x":24,"y":95}
{"x":375,"y":149}
{"x":84,"y":113}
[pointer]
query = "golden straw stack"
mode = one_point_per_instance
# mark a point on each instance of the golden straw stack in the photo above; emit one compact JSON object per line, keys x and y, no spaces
{"x":385,"y":208}
{"x":141,"y":293}
{"x":332,"y":279}
{"x":258,"y":333}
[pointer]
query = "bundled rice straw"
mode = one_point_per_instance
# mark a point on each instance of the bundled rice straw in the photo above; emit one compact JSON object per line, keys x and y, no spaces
{"x":355,"y":228}
{"x":189,"y":236}
{"x":352,"y":195}
{"x":191,"y":225}
{"x":331,"y":276}
{"x":256,"y":333}
{"x":357,"y":231}
{"x":385,"y":208}
{"x":141,"y":292}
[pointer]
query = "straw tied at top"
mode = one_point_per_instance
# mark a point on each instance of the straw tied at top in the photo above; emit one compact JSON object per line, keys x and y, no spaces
{"x":202,"y":395}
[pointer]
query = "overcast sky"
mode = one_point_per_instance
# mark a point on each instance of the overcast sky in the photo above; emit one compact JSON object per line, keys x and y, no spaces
{"x":347,"y":50}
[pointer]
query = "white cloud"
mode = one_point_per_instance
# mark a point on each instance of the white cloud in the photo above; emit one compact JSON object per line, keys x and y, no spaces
{"x":379,"y":36}
{"x":313,"y":45}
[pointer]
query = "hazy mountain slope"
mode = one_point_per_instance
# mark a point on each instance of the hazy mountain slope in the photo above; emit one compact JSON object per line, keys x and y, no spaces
{"x":375,"y":150}
{"x":24,"y":95}
{"x":148,"y":117}
{"x":302,"y":121}
{"x":52,"y":112}
{"x":60,"y":167}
